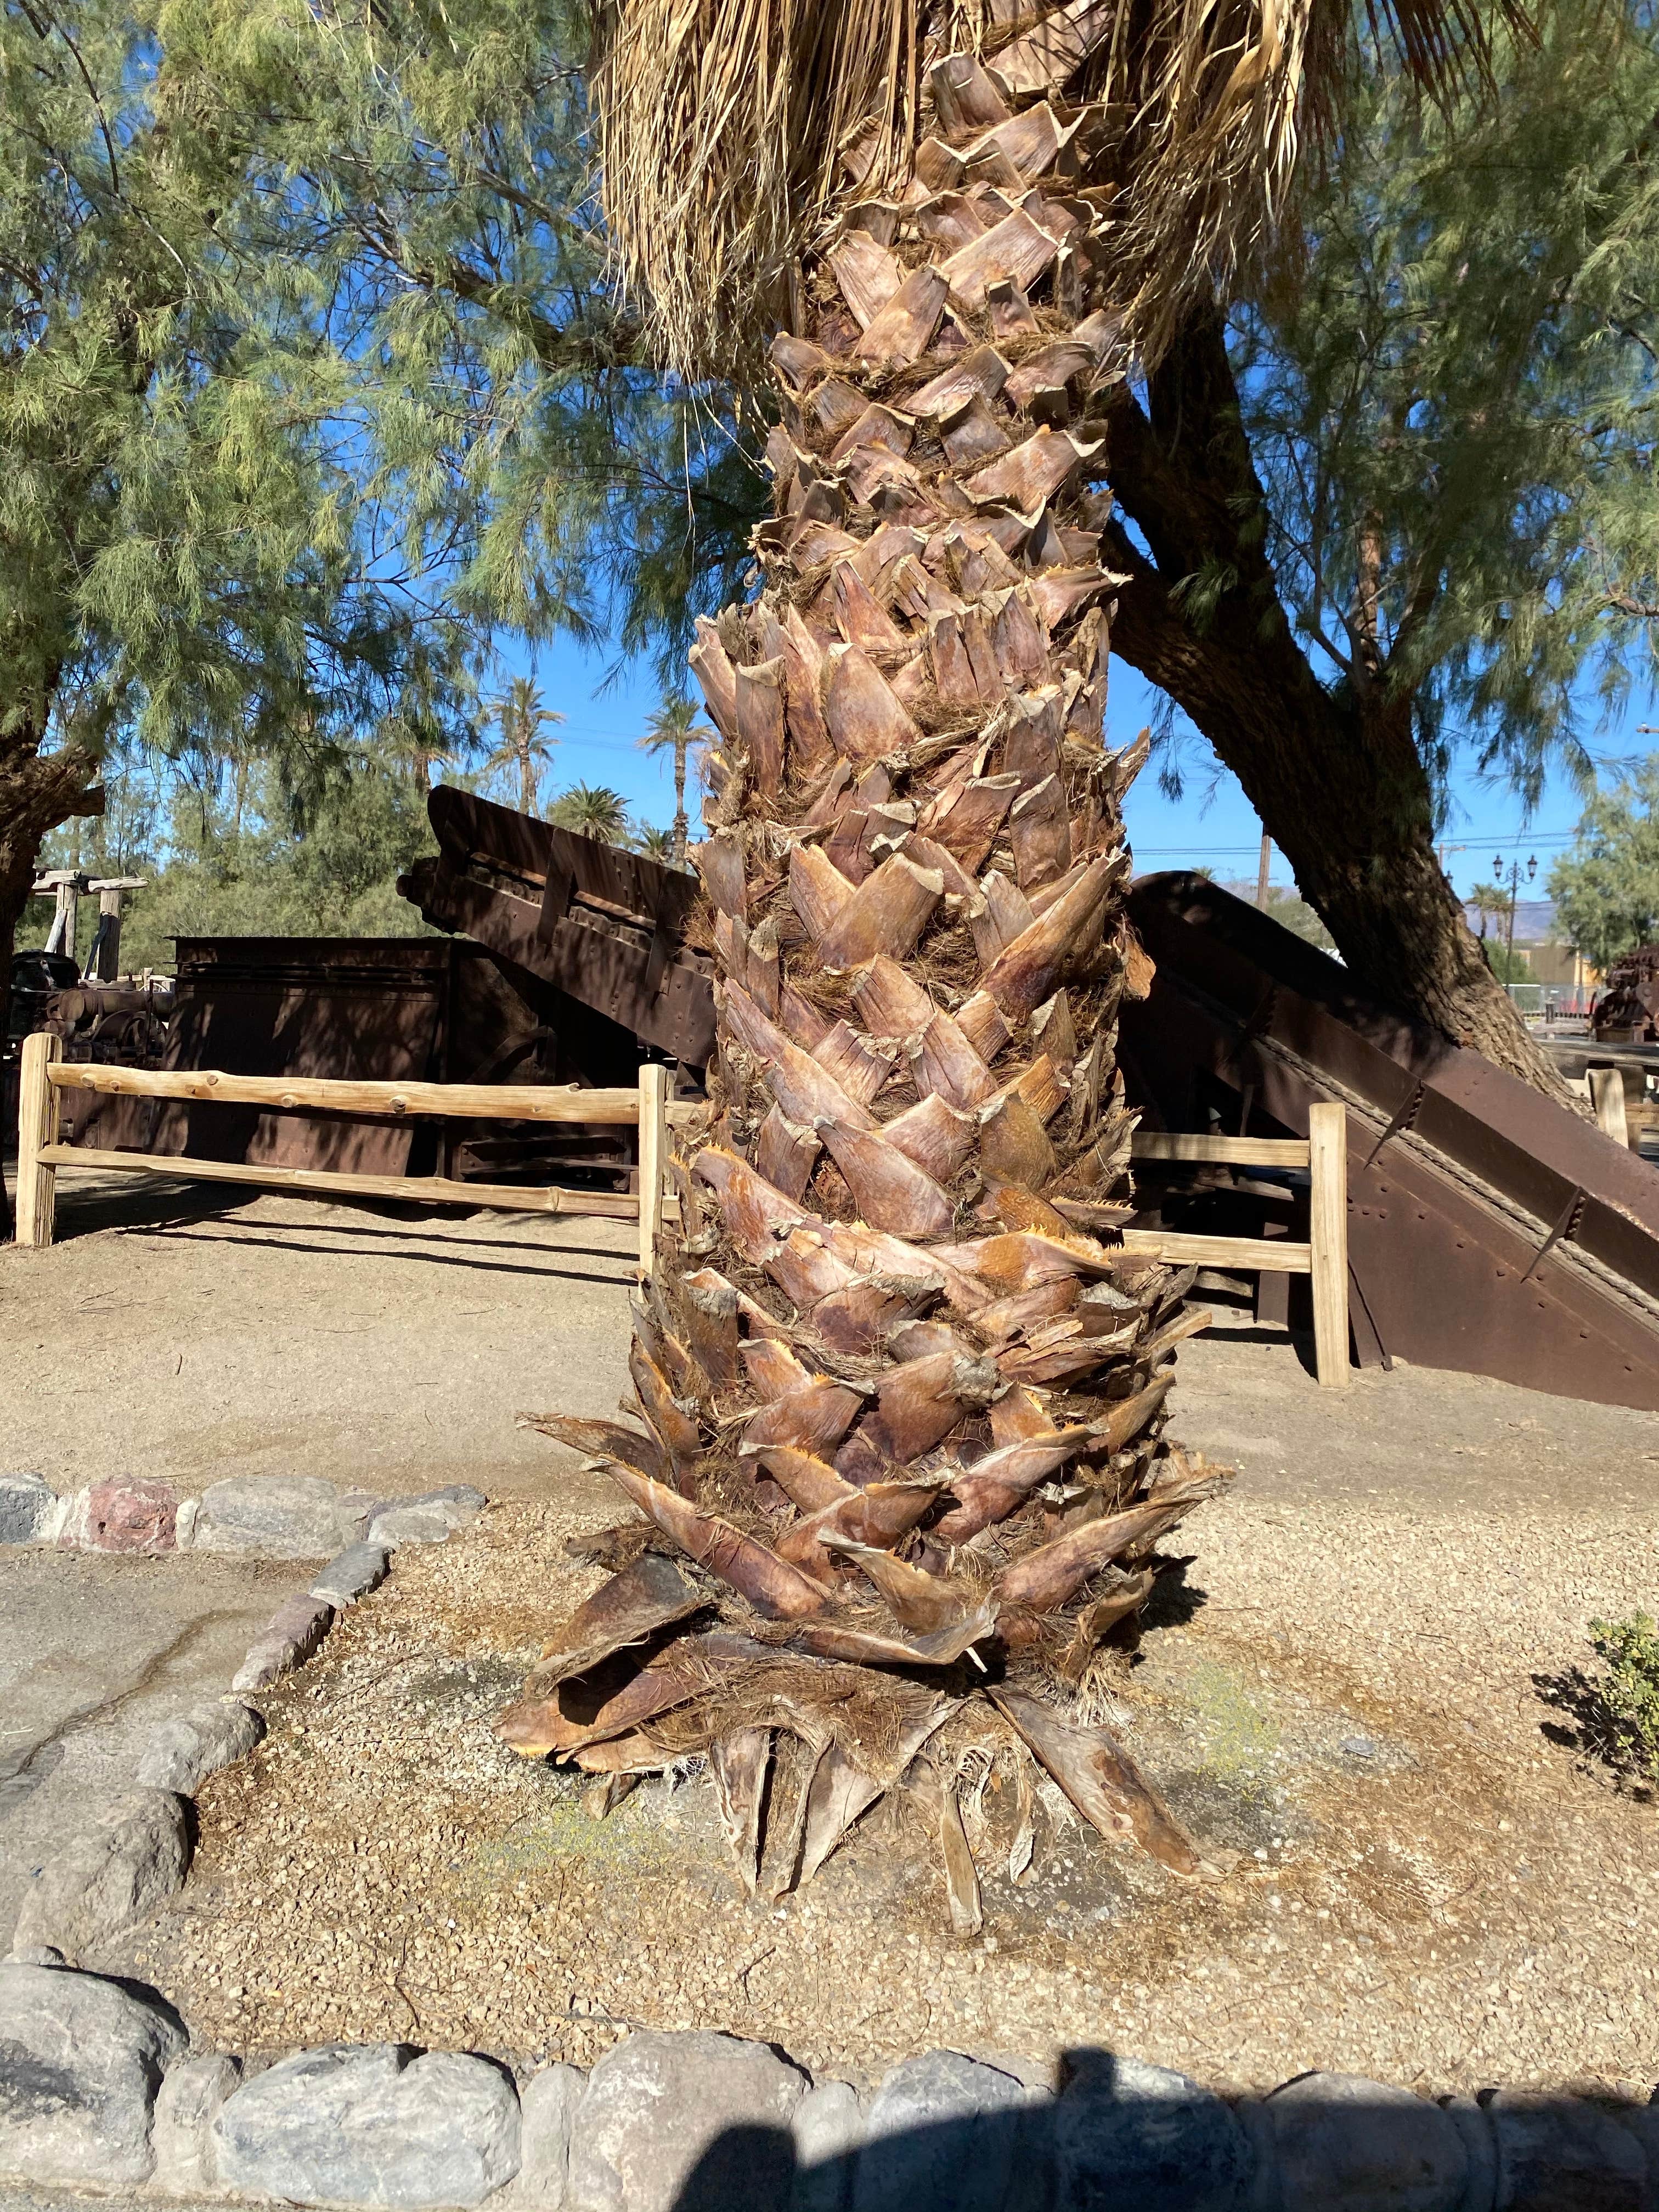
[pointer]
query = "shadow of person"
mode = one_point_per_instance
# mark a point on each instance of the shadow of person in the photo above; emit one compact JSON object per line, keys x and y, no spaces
{"x":1122,"y":2135}
{"x":744,"y":2169}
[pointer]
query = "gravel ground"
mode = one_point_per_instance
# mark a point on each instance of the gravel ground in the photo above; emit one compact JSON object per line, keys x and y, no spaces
{"x":1430,"y":1889}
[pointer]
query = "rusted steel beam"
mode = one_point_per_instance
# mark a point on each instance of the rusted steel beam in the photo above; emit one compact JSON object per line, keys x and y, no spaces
{"x":1448,"y":1218}
{"x":607,"y":928}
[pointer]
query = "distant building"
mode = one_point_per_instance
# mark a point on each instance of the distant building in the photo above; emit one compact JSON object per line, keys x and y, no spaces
{"x":1538,"y":933}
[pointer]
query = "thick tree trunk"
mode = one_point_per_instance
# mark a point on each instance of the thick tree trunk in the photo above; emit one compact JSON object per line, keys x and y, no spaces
{"x":1337,"y":780}
{"x":36,"y":793}
{"x":901,"y":1396}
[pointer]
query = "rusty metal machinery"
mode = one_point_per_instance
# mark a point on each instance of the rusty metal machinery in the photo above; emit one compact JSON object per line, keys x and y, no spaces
{"x":1490,"y":1230}
{"x":416,"y":1008}
{"x":1627,"y":1009}
{"x":566,"y":962}
{"x":606,"y":927}
{"x":121,"y":1025}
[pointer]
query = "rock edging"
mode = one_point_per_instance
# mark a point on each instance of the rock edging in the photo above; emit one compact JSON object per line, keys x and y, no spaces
{"x":96,"y":2087}
{"x":267,"y":1517}
{"x":134,"y":1853}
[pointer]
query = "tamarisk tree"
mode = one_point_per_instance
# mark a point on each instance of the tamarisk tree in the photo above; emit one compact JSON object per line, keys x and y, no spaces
{"x":899,"y":1398}
{"x":180,"y":557}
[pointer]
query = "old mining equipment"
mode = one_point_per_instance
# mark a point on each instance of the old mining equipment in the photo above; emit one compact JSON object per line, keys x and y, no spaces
{"x":566,"y":962}
{"x":1489,"y":1228}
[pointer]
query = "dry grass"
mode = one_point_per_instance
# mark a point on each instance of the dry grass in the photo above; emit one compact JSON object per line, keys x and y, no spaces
{"x":732,"y":132}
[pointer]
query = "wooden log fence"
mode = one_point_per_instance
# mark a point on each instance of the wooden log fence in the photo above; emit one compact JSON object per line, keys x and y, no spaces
{"x":1324,"y":1153}
{"x":47,"y":1076}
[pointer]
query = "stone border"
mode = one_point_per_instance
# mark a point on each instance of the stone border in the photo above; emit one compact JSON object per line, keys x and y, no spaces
{"x":255,"y":1517}
{"x":135,"y":1851}
{"x":98,"y":2088}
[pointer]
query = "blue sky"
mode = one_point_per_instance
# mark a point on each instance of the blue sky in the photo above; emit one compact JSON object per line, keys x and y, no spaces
{"x":1212,"y":825}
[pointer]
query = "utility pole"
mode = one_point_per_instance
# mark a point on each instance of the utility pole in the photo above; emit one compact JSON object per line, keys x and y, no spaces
{"x":1261,"y":871}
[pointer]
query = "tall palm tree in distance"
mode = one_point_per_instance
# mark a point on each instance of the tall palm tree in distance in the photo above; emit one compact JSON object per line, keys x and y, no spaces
{"x":1490,"y":903}
{"x":901,"y":1392}
{"x":521,"y":718}
{"x":675,"y":728}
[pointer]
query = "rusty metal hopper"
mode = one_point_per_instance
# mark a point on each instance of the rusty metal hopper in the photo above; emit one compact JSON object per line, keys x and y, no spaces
{"x":1490,"y":1230}
{"x":606,"y":927}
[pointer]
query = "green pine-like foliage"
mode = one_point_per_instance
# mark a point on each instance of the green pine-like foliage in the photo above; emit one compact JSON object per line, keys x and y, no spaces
{"x":1449,"y":386}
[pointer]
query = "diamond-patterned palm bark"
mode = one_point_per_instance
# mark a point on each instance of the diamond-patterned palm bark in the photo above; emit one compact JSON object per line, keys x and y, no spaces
{"x":896,"y":1440}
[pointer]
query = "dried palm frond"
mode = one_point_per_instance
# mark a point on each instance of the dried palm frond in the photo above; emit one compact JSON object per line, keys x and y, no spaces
{"x":733,"y":131}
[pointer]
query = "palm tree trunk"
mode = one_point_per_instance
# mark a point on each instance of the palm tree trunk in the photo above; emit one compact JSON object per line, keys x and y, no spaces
{"x":681,"y":825}
{"x":527,"y":776}
{"x":893,"y":1264}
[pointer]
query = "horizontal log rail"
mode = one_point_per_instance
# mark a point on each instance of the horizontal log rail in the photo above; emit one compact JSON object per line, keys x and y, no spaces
{"x":1324,"y":1153}
{"x":507,"y":1102}
{"x":417,"y":1190}
{"x":1232,"y":1151}
{"x":41,"y":1154}
{"x":1278,"y":1256}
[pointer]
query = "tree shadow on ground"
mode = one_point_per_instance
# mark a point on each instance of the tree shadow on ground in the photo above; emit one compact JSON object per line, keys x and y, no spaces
{"x":1175,"y":1600}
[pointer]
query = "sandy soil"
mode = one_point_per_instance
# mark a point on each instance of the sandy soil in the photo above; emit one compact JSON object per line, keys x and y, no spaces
{"x":169,"y":1333}
{"x":1338,"y":1688}
{"x":1339,"y":1685}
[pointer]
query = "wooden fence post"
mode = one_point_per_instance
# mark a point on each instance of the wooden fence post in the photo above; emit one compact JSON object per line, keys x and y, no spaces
{"x":1328,"y":1237}
{"x":1607,"y":1089}
{"x":654,"y":1153}
{"x":37,"y":1127}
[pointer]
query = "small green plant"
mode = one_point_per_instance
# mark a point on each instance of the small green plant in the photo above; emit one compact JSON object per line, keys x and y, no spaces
{"x":1629,"y":1689}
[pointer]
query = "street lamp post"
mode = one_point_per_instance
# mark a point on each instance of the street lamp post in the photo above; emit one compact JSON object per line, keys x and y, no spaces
{"x":1515,"y":893}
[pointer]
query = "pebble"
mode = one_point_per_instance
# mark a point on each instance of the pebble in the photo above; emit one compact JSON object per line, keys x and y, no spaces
{"x":182,"y":2134}
{"x":29,"y":1506}
{"x":355,"y":1571}
{"x":277,"y":1516}
{"x":428,"y":1518}
{"x":135,"y":1514}
{"x":296,"y":1628}
{"x":373,"y":2125}
{"x":183,"y":1751}
{"x":695,"y":2118}
{"x":1128,"y":2133}
{"x":942,"y":2135}
{"x":1341,"y":2140}
{"x":547,"y":2108}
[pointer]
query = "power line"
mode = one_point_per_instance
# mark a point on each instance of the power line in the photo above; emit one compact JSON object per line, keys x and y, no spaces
{"x":1208,"y":851}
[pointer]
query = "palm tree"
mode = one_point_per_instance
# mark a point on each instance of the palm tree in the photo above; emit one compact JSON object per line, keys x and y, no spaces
{"x":521,"y":718}
{"x":896,"y":1343}
{"x":592,"y":810}
{"x":1489,"y":902}
{"x":675,"y":728}
{"x":662,"y":845}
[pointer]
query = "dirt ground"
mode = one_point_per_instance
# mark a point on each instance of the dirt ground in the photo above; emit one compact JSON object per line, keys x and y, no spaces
{"x":168,"y":1333}
{"x":1338,"y":1685}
